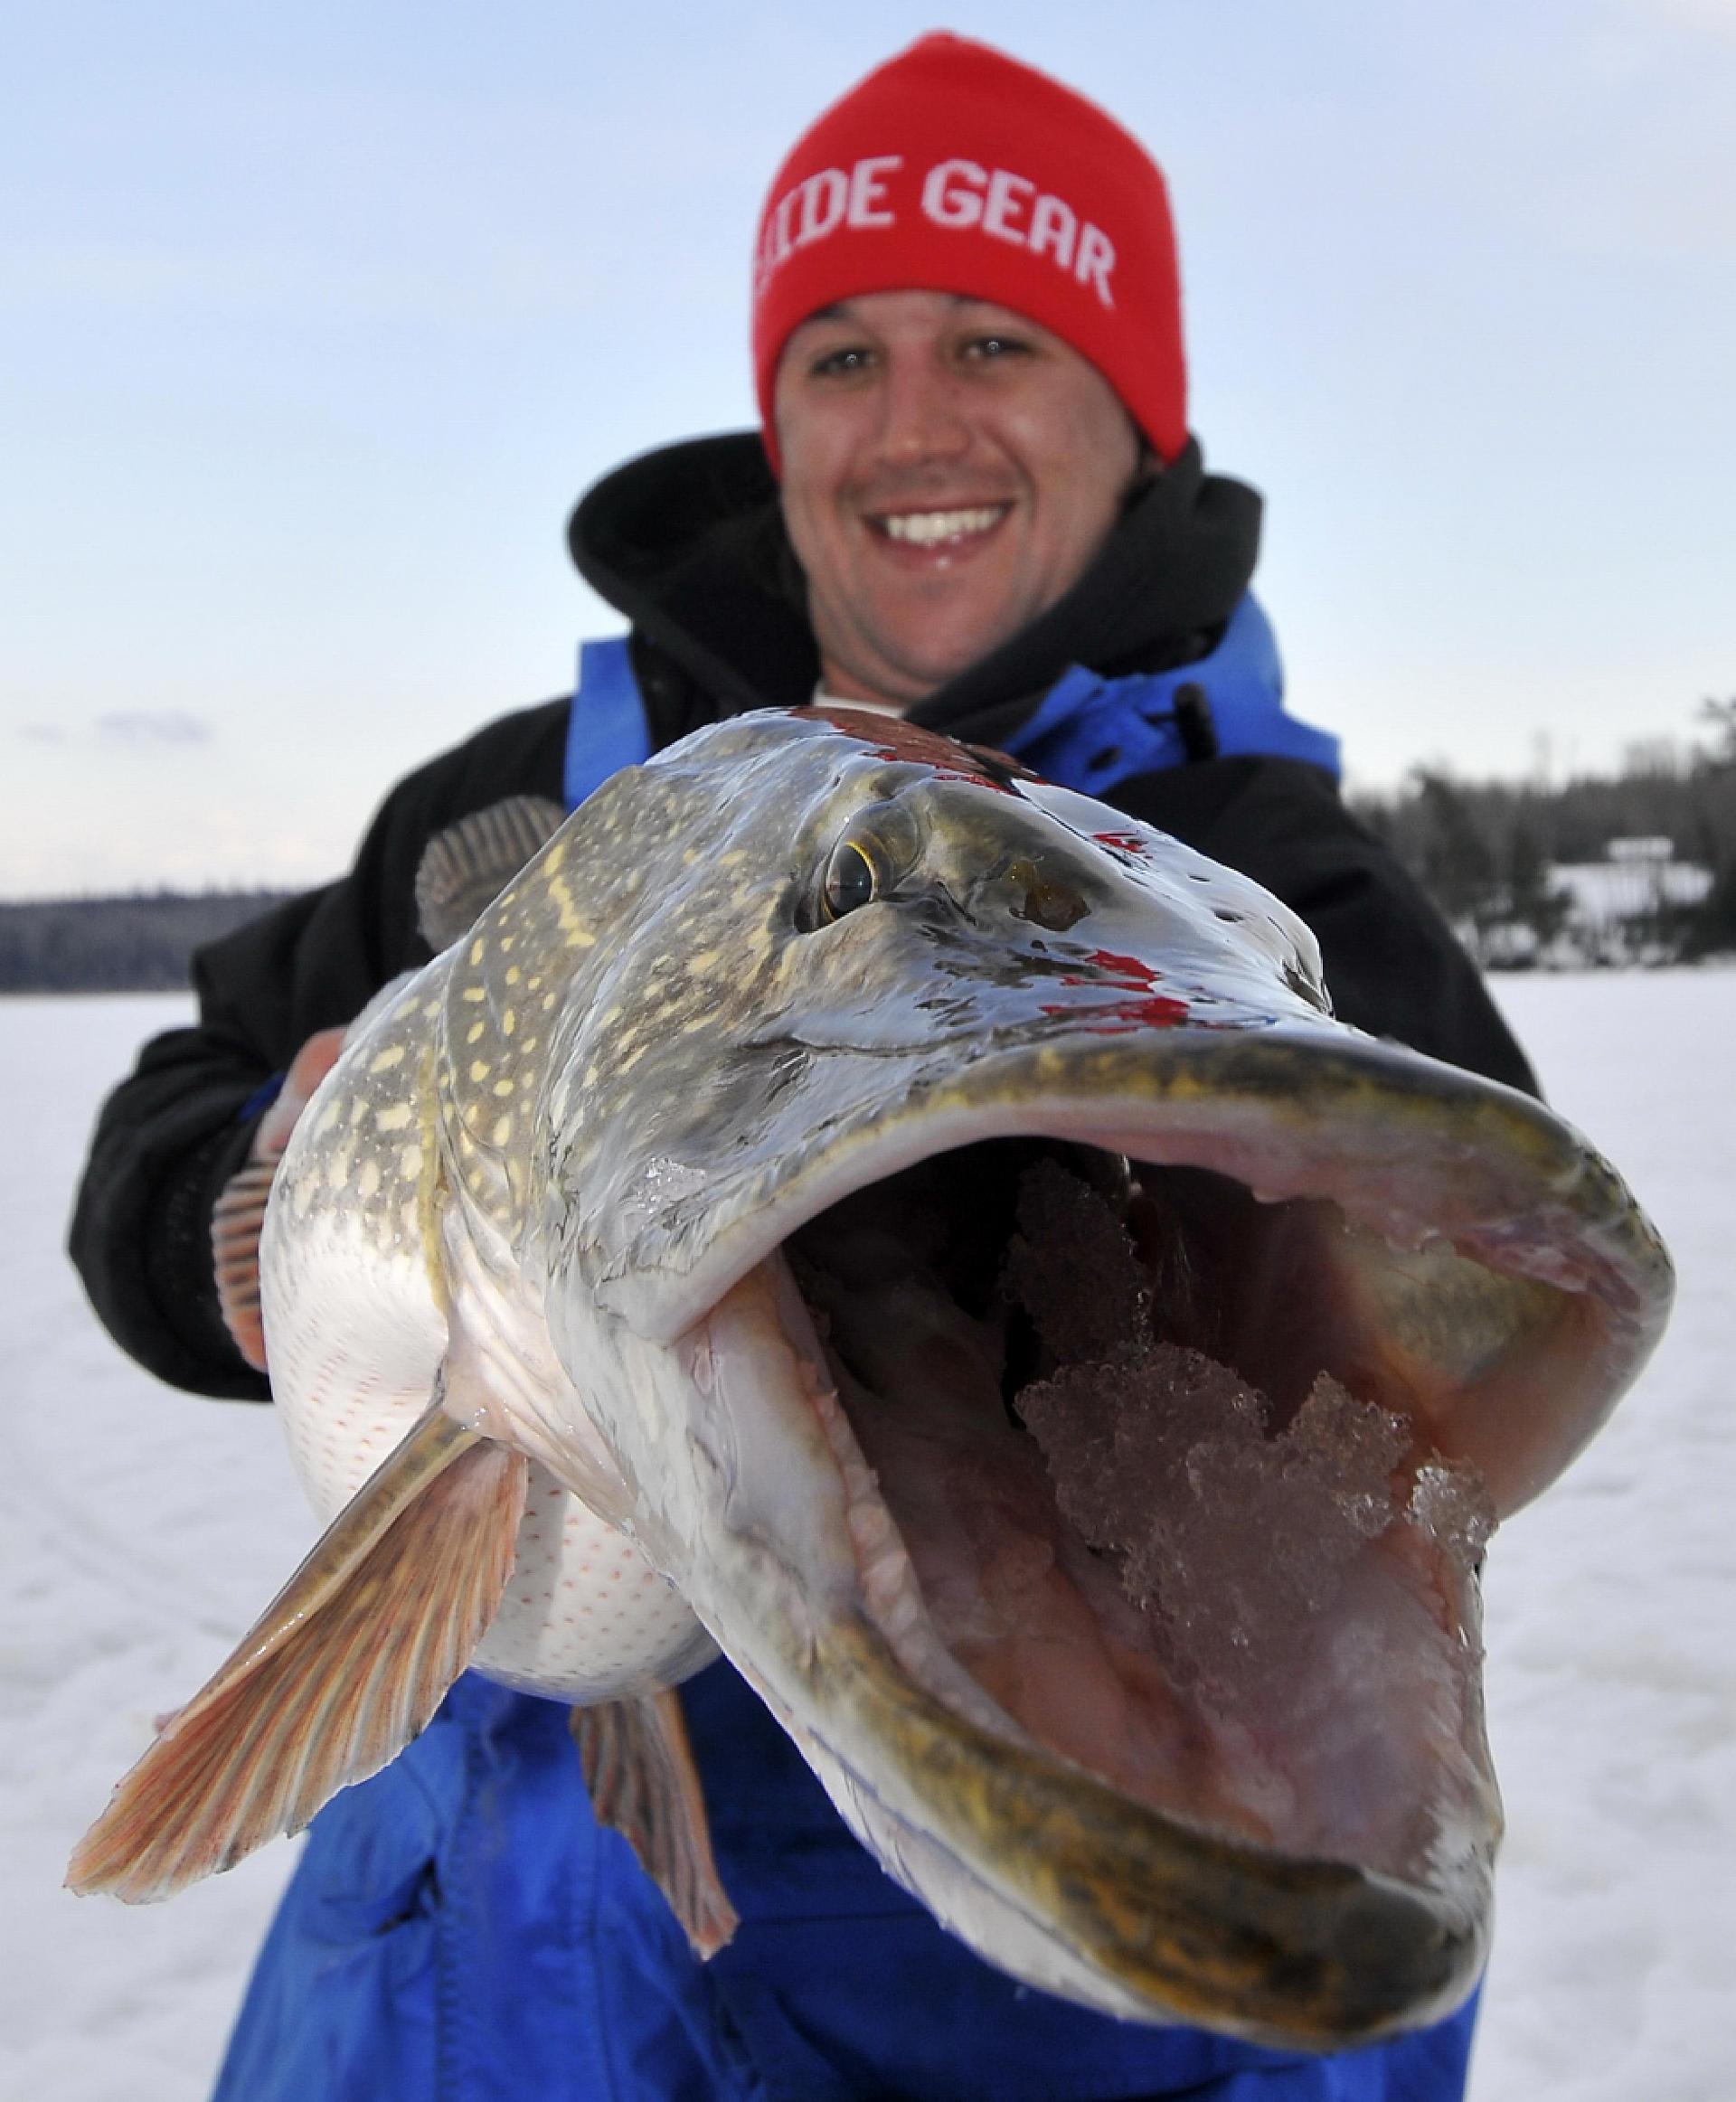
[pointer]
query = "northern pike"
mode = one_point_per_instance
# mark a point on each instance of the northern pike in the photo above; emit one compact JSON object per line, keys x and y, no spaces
{"x":852,"y":1205}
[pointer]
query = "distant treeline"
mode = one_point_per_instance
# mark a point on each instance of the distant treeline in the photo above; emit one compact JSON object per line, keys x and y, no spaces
{"x":139,"y":944}
{"x":1487,"y":850}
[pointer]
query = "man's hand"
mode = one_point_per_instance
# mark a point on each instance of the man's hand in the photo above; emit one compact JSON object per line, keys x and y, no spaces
{"x":307,"y":1069}
{"x":240,"y":1212}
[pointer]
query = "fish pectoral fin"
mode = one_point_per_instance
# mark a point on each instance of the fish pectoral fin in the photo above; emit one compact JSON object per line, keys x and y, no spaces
{"x":342,"y":1670}
{"x":639,"y":1768}
{"x":236,"y":1224}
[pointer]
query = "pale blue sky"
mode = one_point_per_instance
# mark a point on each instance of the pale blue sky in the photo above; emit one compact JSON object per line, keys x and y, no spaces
{"x":314,"y":322}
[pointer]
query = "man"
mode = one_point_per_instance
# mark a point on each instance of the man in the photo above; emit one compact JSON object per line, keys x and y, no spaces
{"x":974,"y":500}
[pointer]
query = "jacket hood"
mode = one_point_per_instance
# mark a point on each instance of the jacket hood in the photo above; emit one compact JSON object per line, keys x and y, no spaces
{"x":688,"y":541}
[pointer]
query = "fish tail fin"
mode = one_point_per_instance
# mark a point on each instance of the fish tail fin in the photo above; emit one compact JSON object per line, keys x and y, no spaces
{"x":644,"y":1784}
{"x":343,"y":1668}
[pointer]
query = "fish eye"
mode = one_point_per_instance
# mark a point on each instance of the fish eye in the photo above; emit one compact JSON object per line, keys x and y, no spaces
{"x":851,"y":880}
{"x":871,"y":859}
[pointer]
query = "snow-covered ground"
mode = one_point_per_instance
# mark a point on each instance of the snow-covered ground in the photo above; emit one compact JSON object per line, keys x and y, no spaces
{"x":143,"y":1529}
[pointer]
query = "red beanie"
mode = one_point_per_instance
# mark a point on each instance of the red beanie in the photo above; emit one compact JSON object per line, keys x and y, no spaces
{"x":953,"y":168}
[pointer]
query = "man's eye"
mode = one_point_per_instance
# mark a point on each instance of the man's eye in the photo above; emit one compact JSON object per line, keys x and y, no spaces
{"x":990,"y":348}
{"x":840,"y":363}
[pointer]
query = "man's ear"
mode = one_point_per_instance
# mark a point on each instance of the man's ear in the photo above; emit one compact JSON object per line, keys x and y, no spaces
{"x":1147,"y":469}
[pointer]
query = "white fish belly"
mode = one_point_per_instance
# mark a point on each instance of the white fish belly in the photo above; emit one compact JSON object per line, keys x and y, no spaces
{"x":356,"y":1341}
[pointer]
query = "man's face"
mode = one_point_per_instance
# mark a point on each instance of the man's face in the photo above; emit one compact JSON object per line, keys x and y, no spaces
{"x":950,"y":471}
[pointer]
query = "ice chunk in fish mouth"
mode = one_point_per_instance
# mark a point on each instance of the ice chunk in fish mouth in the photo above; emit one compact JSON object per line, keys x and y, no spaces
{"x":1174,"y":1551}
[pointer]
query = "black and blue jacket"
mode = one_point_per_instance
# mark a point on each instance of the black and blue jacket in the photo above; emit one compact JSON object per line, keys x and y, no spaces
{"x":458,"y":1929}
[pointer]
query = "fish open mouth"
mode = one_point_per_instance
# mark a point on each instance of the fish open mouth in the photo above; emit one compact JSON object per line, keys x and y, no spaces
{"x":1171,"y":1404}
{"x":1099,"y":1422}
{"x":1102,"y":1453}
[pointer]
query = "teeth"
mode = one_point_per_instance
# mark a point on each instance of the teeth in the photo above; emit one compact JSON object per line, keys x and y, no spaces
{"x":927,"y":527}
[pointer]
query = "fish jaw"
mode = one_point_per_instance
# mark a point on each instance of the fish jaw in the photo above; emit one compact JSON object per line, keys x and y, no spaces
{"x":769,"y":1518}
{"x":1444,"y":1249}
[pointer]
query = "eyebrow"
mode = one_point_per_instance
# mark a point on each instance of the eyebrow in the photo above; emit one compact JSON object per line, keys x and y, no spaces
{"x":838,"y":309}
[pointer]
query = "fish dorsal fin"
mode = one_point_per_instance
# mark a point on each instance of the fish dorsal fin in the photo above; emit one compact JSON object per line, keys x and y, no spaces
{"x":644,"y":1784}
{"x":464,"y":869}
{"x":345,"y":1666}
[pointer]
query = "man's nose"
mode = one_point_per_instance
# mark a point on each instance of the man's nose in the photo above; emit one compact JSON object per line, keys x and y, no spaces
{"x":922,"y":416}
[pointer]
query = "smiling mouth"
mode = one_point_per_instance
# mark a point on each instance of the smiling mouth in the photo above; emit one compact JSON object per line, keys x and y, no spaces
{"x":932,"y":529}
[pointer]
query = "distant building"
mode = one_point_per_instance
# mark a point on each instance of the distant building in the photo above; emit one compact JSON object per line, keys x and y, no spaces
{"x":1630,"y":892}
{"x":1625,"y":909}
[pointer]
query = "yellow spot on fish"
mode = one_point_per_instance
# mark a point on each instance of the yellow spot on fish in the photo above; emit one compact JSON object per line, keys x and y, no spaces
{"x":479,"y":1069}
{"x":578,"y":935}
{"x":338,"y":1173}
{"x":506,"y":941}
{"x":732,"y":859}
{"x":513,"y":974}
{"x":478,"y":948}
{"x":393,"y":1055}
{"x":396,"y":1117}
{"x":508,"y":1022}
{"x":474,"y":1033}
{"x":502,"y":1130}
{"x":504,"y":1087}
{"x":334,"y":1110}
{"x":368,"y":1181}
{"x":474,"y":992}
{"x":358,"y":1110}
{"x":410,"y":1162}
{"x":430,"y":1009}
{"x":552,"y":860}
{"x":705,"y":960}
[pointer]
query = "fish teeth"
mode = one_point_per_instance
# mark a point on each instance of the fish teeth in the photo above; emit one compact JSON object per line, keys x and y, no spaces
{"x":926,"y":528}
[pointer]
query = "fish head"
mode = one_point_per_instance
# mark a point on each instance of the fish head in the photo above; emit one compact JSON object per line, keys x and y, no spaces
{"x":864,"y":915}
{"x":1073,"y":1376}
